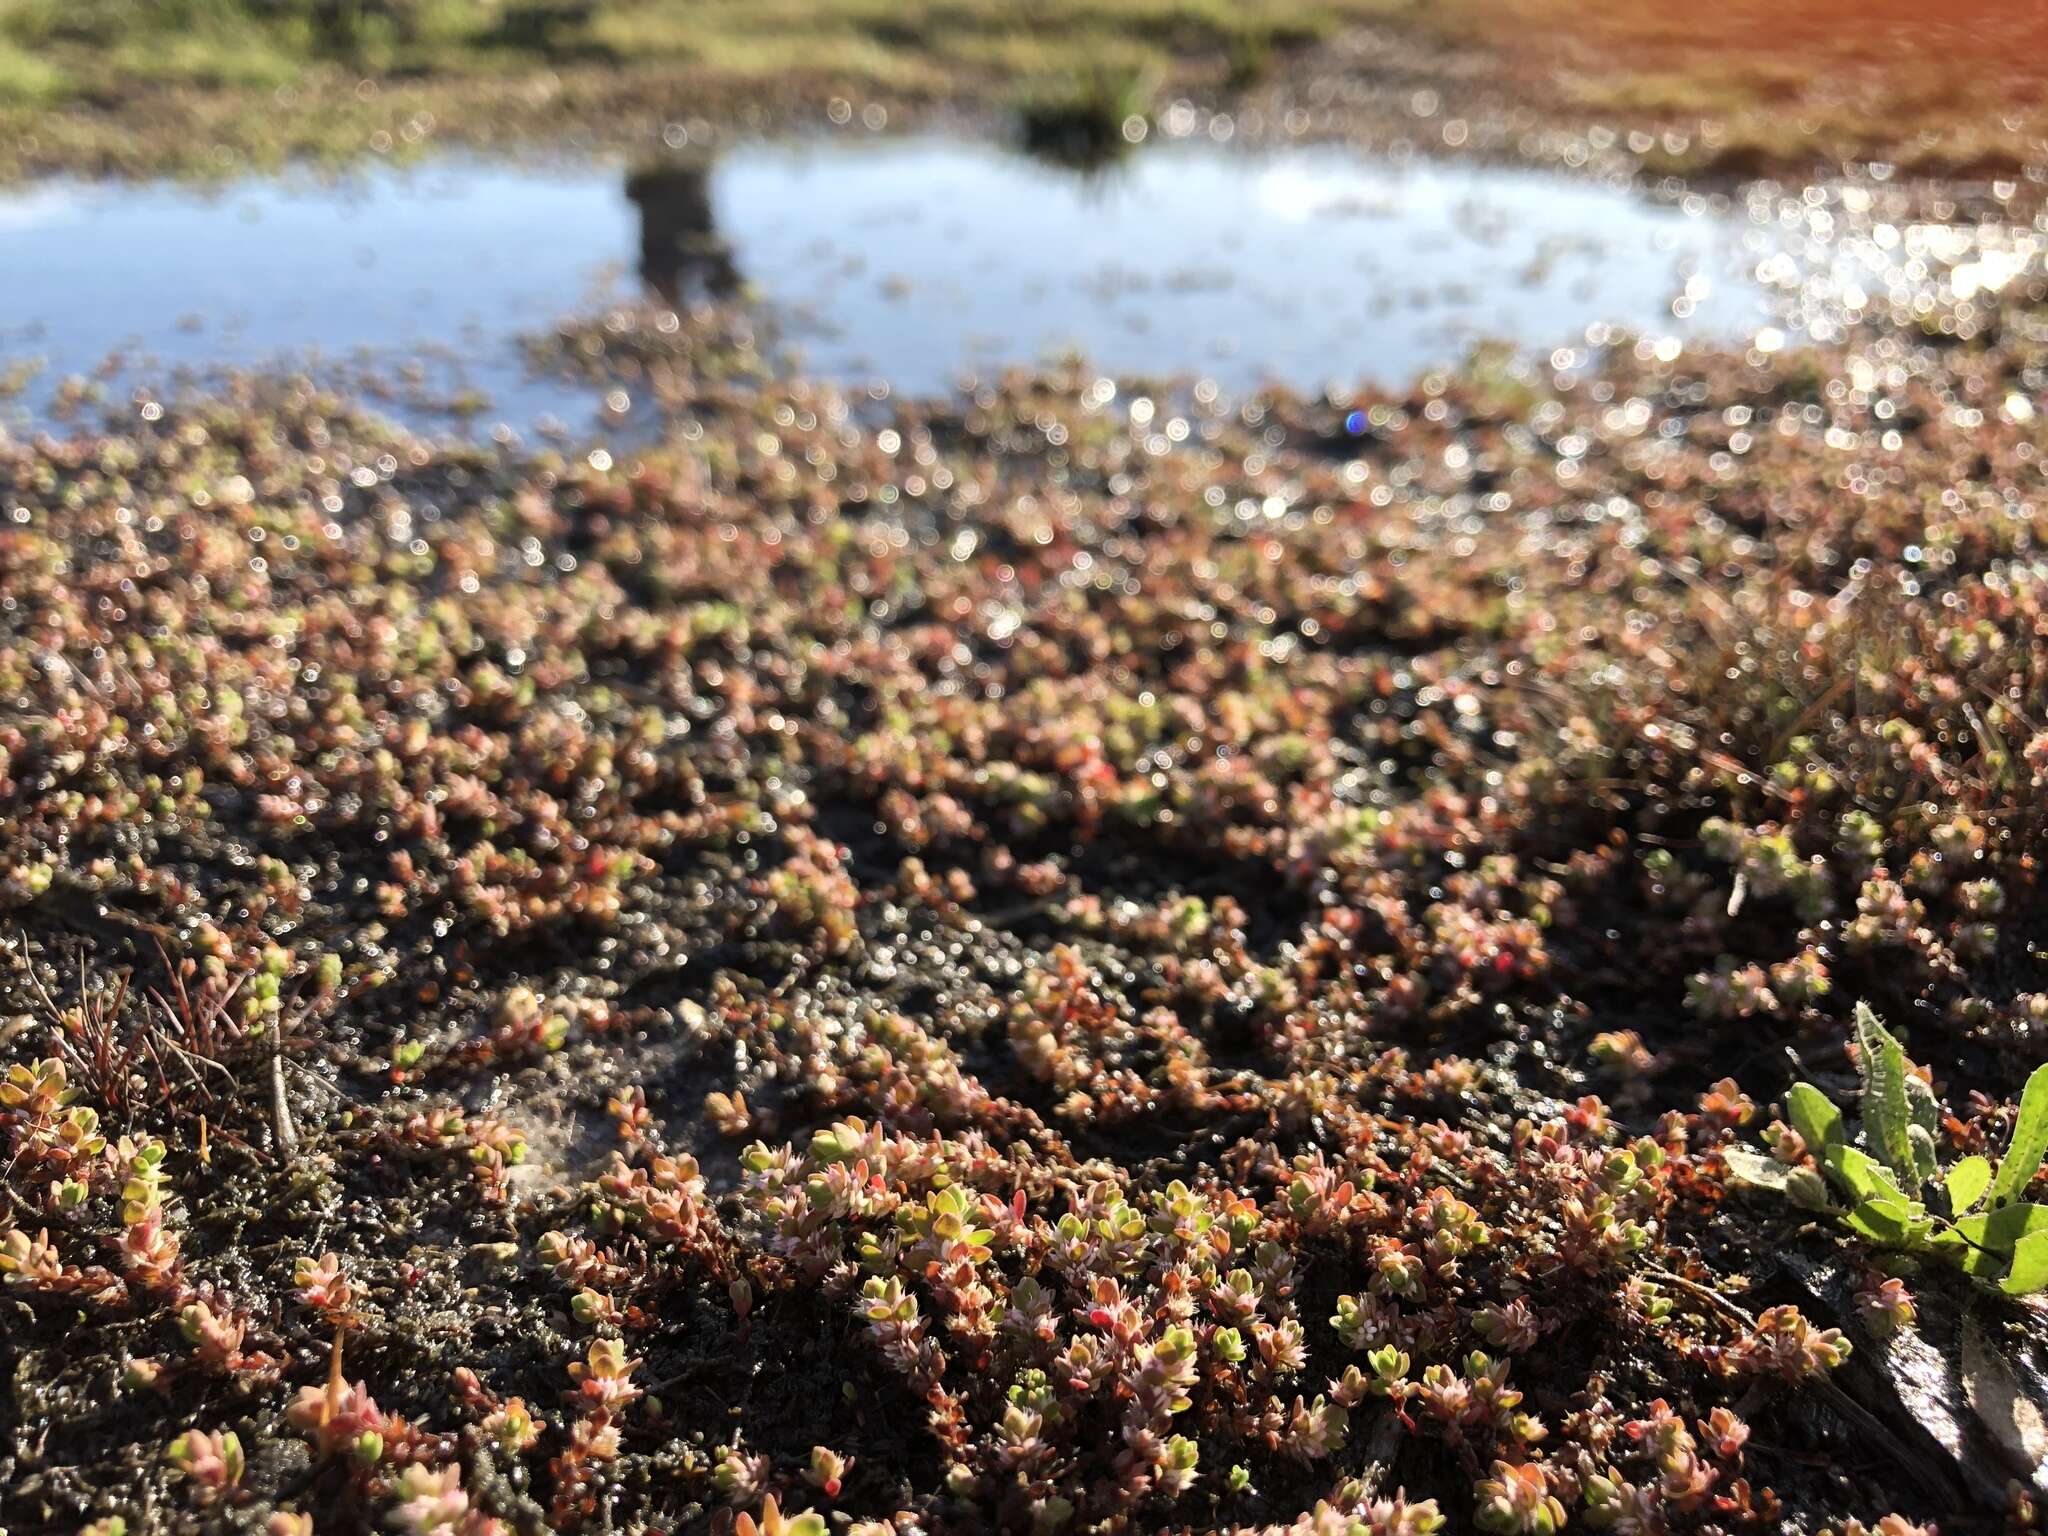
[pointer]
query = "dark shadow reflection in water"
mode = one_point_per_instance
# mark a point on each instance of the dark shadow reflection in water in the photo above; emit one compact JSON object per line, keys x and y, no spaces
{"x":681,"y":251}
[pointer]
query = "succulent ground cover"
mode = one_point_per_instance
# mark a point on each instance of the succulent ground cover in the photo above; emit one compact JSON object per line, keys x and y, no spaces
{"x":1066,"y":958}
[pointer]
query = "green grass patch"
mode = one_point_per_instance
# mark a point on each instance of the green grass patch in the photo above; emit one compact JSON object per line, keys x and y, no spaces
{"x":28,"y":80}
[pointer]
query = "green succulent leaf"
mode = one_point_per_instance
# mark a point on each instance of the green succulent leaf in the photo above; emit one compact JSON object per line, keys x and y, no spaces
{"x":2029,"y":1141}
{"x":1966,"y":1183}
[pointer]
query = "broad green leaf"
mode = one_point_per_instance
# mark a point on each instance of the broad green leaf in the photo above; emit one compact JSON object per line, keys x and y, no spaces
{"x":1966,"y":1184}
{"x":1895,"y":1223}
{"x":2029,"y":1270}
{"x":1924,"y":1165}
{"x":1815,"y":1117}
{"x":1885,"y":1117}
{"x":1921,"y":1107}
{"x":1882,"y":1221}
{"x":1991,"y":1237}
{"x":1754,"y":1170}
{"x":1982,"y":1262}
{"x":1865,"y":1176}
{"x":2029,"y":1141}
{"x":1924,"y":1131}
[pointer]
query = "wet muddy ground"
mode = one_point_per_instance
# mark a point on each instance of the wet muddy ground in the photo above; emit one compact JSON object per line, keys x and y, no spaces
{"x":1060,"y":954}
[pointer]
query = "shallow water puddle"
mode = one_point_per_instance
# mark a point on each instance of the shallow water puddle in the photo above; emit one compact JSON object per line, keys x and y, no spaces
{"x":911,"y":260}
{"x":444,"y":265}
{"x":914,"y":260}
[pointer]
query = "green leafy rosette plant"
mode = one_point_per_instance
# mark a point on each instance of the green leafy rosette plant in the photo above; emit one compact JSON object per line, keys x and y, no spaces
{"x":1898,"y":1194}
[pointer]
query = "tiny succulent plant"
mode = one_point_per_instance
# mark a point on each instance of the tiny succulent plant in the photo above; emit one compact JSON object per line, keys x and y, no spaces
{"x":1895,"y":1190}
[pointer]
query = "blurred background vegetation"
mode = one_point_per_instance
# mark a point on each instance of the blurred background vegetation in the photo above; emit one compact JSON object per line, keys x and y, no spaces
{"x":1955,"y":85}
{"x":82,"y":49}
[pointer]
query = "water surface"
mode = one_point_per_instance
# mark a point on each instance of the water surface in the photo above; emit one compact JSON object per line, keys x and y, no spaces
{"x":913,"y":261}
